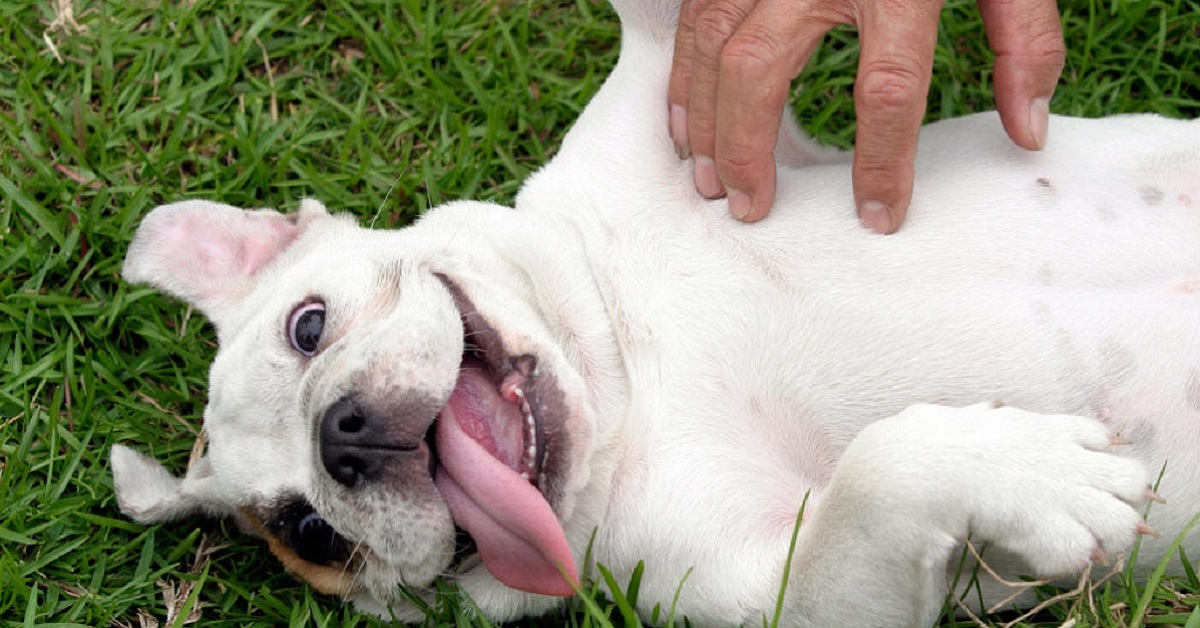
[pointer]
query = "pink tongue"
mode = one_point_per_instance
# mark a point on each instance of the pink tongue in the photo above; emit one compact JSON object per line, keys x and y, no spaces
{"x":514,"y":528}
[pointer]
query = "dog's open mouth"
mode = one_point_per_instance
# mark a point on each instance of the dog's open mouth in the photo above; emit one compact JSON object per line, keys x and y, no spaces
{"x":493,"y":452}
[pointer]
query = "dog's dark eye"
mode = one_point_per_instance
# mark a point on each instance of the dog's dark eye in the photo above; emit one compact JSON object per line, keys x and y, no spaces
{"x":316,"y":541}
{"x":305,"y":326}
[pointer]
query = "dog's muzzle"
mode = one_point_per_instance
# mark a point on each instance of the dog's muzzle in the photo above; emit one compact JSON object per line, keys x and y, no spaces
{"x":355,"y":443}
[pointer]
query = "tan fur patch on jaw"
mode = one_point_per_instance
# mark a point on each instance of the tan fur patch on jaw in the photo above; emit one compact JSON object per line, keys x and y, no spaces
{"x":332,"y":579}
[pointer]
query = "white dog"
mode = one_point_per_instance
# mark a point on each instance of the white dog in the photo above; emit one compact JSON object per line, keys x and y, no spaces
{"x":618,"y":362}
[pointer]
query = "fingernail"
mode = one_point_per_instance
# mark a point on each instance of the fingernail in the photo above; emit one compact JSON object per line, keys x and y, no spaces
{"x":876,"y":216}
{"x":707,"y":182}
{"x":1039,"y":121}
{"x":679,"y":131}
{"x":1154,"y":497}
{"x":739,"y":203}
{"x":1146,"y":530}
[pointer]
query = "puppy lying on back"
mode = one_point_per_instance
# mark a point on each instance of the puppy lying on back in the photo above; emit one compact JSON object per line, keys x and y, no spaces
{"x":482,"y":394}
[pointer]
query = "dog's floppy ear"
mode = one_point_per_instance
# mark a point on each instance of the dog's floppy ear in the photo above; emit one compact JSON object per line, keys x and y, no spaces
{"x":209,"y":254}
{"x":148,"y":493}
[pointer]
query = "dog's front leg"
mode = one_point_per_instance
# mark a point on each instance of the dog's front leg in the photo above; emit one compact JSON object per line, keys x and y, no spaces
{"x":873,"y":551}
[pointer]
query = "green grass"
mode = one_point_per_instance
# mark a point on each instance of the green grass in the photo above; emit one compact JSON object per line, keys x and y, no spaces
{"x":382,"y":108}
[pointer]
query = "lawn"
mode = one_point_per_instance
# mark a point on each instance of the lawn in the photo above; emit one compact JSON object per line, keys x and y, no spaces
{"x":382,"y":108}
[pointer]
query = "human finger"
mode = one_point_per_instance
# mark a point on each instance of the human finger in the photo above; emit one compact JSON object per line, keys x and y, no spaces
{"x":894,"y":69}
{"x":1028,"y":40}
{"x":757,"y":65}
{"x":715,"y":24}
{"x":681,"y":74}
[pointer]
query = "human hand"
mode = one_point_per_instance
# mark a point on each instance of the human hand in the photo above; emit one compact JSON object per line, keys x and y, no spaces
{"x":735,"y":59}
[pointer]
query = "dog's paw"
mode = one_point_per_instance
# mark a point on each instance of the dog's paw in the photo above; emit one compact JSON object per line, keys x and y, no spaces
{"x":1055,"y":491}
{"x":1052,"y":489}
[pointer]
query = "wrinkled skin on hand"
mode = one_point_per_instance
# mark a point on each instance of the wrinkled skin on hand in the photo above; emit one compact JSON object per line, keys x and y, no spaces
{"x":735,"y":59}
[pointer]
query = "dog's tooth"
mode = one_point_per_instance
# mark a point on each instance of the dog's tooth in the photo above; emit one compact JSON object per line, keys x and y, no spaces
{"x":530,"y":453}
{"x":511,"y":389}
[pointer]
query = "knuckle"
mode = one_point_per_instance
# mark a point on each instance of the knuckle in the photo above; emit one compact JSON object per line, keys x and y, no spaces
{"x":687,"y":13}
{"x":883,"y":177}
{"x":737,"y":162}
{"x":750,"y":52}
{"x":1044,"y":28}
{"x":716,"y":24}
{"x":890,"y":86}
{"x":1052,"y":56}
{"x":884,"y":174}
{"x":1045,"y":46}
{"x":701,"y":126}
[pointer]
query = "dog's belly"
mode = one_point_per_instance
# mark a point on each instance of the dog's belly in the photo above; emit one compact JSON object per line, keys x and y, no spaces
{"x":739,"y":427}
{"x":732,"y":432}
{"x":1067,"y":282}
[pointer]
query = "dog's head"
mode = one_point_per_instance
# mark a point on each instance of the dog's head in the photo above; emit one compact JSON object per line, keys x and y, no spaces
{"x":384,"y":407}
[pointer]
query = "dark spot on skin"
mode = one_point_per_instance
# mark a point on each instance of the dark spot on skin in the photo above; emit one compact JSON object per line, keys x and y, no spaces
{"x":1151,"y":195}
{"x":1045,"y":193}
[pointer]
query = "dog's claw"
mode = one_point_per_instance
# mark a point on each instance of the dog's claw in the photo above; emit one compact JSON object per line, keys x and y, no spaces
{"x":1143,"y":529}
{"x":1099,"y":556}
{"x":1117,"y":440}
{"x":1154,"y":497}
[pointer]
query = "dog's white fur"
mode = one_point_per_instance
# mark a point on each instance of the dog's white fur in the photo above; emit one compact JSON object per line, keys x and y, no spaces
{"x":714,"y":373}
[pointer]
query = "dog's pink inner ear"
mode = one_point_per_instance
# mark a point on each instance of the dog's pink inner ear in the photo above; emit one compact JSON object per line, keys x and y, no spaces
{"x":219,"y":251}
{"x":208,"y":253}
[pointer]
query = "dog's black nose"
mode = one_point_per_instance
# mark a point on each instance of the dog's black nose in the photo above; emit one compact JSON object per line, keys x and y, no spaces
{"x":352,"y":447}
